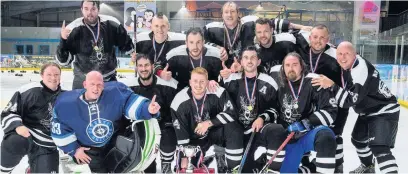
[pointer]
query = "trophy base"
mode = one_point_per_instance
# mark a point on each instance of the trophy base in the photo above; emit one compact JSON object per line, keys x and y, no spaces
{"x":199,"y":170}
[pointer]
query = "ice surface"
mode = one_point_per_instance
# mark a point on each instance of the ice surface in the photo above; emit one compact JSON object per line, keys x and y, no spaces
{"x":10,"y":83}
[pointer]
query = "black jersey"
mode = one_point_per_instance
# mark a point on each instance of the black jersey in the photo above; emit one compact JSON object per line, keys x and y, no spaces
{"x":282,"y":44}
{"x":157,"y":52}
{"x":319,"y":106}
{"x":164,"y":91}
{"x":88,"y":55}
{"x":31,"y":106}
{"x":181,"y":64}
{"x":215,"y":34}
{"x":216,"y":107}
{"x":365,"y":91}
{"x":262,"y":91}
{"x":326,"y":61}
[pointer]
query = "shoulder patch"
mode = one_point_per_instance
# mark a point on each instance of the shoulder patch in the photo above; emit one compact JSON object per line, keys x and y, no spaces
{"x":213,"y":51}
{"x":233,"y":76}
{"x":218,"y":93}
{"x":275,"y":68}
{"x":268,"y":79}
{"x":76,"y":23}
{"x":29,"y":86}
{"x":331,"y":52}
{"x":171,"y":83}
{"x":215,"y":25}
{"x":360,"y":72}
{"x":109,"y":18}
{"x":285,"y":37}
{"x":176,"y":36}
{"x":178,"y":51}
{"x":180,"y":98}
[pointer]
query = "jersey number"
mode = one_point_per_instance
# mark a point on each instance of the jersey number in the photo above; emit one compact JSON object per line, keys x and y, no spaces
{"x":56,"y":128}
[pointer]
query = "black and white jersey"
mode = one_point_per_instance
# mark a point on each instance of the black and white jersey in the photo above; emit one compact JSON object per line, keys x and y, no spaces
{"x":319,"y":106}
{"x":262,"y":91}
{"x":282,"y":44}
{"x":31,"y":106}
{"x":157,"y":51}
{"x":216,"y":107}
{"x":326,"y":64}
{"x":365,"y":91}
{"x":164,"y":91}
{"x":215,"y":34}
{"x":181,"y":64}
{"x":81,"y":45}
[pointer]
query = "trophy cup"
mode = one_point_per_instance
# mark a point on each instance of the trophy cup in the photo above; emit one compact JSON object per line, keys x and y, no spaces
{"x":190,"y":152}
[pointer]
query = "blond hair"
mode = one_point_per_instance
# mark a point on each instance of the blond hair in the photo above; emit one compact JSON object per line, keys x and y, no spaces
{"x":201,"y":71}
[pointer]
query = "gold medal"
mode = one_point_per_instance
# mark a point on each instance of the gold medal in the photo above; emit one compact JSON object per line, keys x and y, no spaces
{"x":250,"y":108}
{"x":96,"y":48}
{"x":296,"y":106}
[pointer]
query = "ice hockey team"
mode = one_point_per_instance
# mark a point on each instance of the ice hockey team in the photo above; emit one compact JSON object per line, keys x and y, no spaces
{"x":262,"y":93}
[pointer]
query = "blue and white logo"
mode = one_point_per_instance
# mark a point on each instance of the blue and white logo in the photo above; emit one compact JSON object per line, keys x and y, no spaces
{"x":100,"y":130}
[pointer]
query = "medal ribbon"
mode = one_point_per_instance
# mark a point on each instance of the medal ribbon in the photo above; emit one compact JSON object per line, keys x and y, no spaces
{"x":342,"y":78}
{"x":230,"y":45}
{"x":93,"y":34}
{"x":293,"y":91}
{"x":317,"y":61}
{"x":154,"y":47}
{"x":201,"y":61}
{"x":250,"y":97}
{"x":202,"y":107}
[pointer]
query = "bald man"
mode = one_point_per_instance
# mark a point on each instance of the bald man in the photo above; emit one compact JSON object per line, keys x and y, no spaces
{"x":86,"y":120}
{"x":376,"y":127}
{"x":157,"y":43}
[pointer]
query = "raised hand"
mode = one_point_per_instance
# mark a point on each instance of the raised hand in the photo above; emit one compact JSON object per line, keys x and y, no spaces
{"x":236,"y":66}
{"x":225,"y":72}
{"x":154,"y":107}
{"x":64,"y":31}
{"x":165,"y":74}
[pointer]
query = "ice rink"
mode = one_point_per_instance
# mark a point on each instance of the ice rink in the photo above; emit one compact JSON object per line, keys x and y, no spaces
{"x":10,"y":83}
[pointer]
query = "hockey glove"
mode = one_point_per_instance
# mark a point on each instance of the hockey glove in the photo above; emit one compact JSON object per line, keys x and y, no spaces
{"x":300,"y":126}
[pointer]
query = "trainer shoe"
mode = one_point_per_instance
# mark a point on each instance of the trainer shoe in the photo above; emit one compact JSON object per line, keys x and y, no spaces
{"x":364,"y":169}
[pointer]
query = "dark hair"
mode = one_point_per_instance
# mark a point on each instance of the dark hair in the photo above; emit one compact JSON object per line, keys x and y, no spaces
{"x":302,"y":65}
{"x":95,"y":3}
{"x":249,"y":48}
{"x":194,"y":31}
{"x":263,"y":21}
{"x":142,"y":56}
{"x":45,"y":66}
{"x":321,"y":27}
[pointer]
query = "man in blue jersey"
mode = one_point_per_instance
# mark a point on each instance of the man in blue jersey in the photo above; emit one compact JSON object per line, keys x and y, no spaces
{"x":86,"y":120}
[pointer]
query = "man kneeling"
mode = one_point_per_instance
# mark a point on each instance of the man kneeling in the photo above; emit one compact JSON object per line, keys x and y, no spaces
{"x":203,"y":118}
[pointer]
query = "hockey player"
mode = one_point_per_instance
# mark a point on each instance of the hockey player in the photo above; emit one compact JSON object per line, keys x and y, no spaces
{"x":148,"y":85}
{"x":183,"y":59}
{"x":320,"y":58}
{"x":376,"y":127}
{"x":203,"y":118}
{"x":307,"y":112}
{"x":234,"y":34}
{"x":254,"y":95}
{"x":91,"y":41}
{"x":86,"y":120}
{"x":157,"y":43}
{"x":272,"y":48}
{"x":26,"y":122}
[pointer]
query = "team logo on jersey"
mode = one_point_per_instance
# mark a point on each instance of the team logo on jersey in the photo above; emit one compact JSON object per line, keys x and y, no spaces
{"x":247,"y":111}
{"x":263,"y":90}
{"x":291,"y":114}
{"x":333,"y":102}
{"x":176,"y":124}
{"x":383,"y":89}
{"x":100,"y":130}
{"x":228,"y":106}
{"x":46,"y":122}
{"x":10,"y":107}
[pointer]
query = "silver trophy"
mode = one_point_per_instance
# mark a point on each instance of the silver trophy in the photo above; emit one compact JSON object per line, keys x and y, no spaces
{"x":190,"y":152}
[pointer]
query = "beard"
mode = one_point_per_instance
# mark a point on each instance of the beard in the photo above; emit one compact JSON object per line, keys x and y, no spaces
{"x":291,"y":76}
{"x":147,"y":77}
{"x":268,"y":41}
{"x":195,"y":54}
{"x":94,"y":20}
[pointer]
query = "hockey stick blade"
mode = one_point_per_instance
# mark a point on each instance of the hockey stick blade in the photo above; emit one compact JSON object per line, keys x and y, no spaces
{"x":246,"y":151}
{"x":277,"y":152}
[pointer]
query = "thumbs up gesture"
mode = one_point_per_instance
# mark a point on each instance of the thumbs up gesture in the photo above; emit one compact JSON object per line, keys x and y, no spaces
{"x":64,"y":31}
{"x":165,"y":74}
{"x":154,"y":107}
{"x":225,"y":72}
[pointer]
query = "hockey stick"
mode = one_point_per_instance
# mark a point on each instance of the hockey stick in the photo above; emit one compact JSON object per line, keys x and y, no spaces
{"x":246,"y":151}
{"x":277,"y":152}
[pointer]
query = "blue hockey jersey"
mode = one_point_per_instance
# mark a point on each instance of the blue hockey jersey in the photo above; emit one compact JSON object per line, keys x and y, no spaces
{"x":77,"y":122}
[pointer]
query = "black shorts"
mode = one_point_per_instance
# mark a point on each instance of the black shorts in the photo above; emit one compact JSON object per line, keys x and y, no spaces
{"x":377,"y":130}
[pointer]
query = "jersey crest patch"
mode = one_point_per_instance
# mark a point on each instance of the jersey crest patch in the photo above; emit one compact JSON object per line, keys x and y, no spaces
{"x":100,"y":130}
